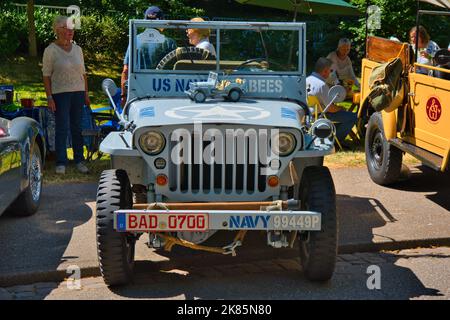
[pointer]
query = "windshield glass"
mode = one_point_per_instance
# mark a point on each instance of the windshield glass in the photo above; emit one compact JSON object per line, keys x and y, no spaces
{"x":215,"y":46}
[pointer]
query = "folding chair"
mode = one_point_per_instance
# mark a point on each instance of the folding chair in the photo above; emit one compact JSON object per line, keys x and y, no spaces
{"x":97,"y":124}
{"x":313,"y":102}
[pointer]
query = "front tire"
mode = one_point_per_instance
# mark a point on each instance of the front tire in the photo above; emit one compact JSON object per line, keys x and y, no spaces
{"x":318,"y":249}
{"x":199,"y":97}
{"x":29,"y":200}
{"x":115,"y":250}
{"x":384,"y":161}
{"x":234,"y":95}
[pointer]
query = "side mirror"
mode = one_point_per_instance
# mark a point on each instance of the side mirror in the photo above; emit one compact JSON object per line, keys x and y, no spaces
{"x":109,"y":87}
{"x":337,"y":94}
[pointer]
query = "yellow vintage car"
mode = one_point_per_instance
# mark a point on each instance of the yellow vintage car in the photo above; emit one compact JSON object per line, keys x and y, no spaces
{"x":417,"y":118}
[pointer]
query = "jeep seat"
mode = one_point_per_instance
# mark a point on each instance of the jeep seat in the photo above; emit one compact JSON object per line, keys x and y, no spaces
{"x":210,"y":65}
{"x":442,"y":60}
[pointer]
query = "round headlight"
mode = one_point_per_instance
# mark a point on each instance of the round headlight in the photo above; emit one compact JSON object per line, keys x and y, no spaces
{"x":323,"y":129}
{"x":284,"y":144}
{"x":152,"y":142}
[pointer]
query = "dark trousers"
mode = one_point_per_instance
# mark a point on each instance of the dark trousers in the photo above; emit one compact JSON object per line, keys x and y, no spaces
{"x":346,"y":120}
{"x":69,"y":107}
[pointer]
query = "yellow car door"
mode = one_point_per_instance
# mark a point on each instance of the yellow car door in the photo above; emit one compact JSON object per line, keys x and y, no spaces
{"x":429,"y":101}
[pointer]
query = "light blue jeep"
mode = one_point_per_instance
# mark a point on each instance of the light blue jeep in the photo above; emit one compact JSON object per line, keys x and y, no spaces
{"x":183,"y":170}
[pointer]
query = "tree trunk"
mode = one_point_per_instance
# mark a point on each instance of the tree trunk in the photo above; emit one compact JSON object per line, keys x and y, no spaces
{"x":32,"y":46}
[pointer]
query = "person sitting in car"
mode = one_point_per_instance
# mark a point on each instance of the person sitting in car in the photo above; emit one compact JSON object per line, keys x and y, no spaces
{"x":427,"y":47}
{"x":200,"y":37}
{"x":149,"y":54}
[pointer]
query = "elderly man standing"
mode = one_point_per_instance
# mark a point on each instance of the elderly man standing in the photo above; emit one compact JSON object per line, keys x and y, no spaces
{"x":316,"y":86}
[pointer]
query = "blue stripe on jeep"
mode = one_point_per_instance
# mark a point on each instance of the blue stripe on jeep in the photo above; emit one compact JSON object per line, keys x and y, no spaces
{"x":147,"y":112}
{"x":288,"y":113}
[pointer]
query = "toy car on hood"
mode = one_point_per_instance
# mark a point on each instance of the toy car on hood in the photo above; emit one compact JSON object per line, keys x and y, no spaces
{"x":182,"y":170}
{"x":230,"y":90}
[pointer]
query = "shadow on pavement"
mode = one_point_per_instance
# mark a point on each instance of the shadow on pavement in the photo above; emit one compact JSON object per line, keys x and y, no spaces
{"x":38,"y":243}
{"x":424,"y":179}
{"x":358,"y":217}
{"x":236,"y":282}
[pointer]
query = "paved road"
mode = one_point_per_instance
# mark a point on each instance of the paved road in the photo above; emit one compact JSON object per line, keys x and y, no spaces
{"x":407,"y":274}
{"x":62,"y":233}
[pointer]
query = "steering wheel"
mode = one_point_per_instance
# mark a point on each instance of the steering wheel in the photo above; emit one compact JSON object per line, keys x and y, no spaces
{"x":184,"y":53}
{"x":281,"y":67}
{"x":240,"y":67}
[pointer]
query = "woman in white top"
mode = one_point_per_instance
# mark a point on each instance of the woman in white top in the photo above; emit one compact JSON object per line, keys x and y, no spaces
{"x":200,"y":37}
{"x":342,"y":66}
{"x":427,"y":48}
{"x":65,"y":83}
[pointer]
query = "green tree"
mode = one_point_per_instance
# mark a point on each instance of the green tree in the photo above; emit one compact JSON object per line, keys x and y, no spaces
{"x":397,"y":18}
{"x":32,"y":45}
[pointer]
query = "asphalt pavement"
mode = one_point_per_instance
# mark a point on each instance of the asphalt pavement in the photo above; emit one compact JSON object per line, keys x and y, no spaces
{"x":413,"y":213}
{"x":421,"y":274}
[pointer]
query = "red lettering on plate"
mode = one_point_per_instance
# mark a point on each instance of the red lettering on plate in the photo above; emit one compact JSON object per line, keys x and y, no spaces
{"x":143,"y":223}
{"x":172,"y":222}
{"x":200,"y":222}
{"x":182,"y":219}
{"x":132,"y":221}
{"x":153,"y":222}
{"x":191,"y":222}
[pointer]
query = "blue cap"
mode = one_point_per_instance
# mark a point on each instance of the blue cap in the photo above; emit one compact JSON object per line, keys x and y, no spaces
{"x":153,"y":13}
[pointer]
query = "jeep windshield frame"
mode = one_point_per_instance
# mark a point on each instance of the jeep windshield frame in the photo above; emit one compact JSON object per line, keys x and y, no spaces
{"x":260,"y":80}
{"x":298,"y":53}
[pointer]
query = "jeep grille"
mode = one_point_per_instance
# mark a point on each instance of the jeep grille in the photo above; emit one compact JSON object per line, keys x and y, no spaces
{"x":244,"y":177}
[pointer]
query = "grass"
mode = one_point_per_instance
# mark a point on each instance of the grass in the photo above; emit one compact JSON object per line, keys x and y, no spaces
{"x":72,"y":175}
{"x":26,"y":76}
{"x":357,"y":159}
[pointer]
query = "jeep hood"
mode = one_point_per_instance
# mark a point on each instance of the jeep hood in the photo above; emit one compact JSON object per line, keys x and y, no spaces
{"x":163,"y":112}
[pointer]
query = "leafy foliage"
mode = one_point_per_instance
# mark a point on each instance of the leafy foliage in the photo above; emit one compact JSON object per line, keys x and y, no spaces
{"x":397,"y":19}
{"x":104,"y":24}
{"x":12,"y":32}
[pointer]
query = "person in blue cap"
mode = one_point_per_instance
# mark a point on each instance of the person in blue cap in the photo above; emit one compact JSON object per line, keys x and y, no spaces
{"x":149,"y":53}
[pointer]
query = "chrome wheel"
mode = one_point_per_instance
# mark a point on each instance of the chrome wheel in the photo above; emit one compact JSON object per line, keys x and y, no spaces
{"x":35,"y":177}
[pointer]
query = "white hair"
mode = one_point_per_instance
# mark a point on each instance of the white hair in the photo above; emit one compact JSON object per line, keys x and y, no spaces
{"x":59,"y":21}
{"x":344,"y":41}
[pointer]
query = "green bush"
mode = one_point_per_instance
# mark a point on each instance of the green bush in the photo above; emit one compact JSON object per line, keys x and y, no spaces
{"x":99,"y":34}
{"x":107,"y":36}
{"x":44,"y":28}
{"x":13,"y":32}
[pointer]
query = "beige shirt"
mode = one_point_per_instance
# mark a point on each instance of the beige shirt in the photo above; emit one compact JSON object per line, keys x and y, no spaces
{"x":344,"y":68}
{"x":66,"y":69}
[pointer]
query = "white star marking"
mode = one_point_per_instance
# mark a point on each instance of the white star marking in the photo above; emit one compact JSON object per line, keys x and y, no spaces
{"x":218,"y":112}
